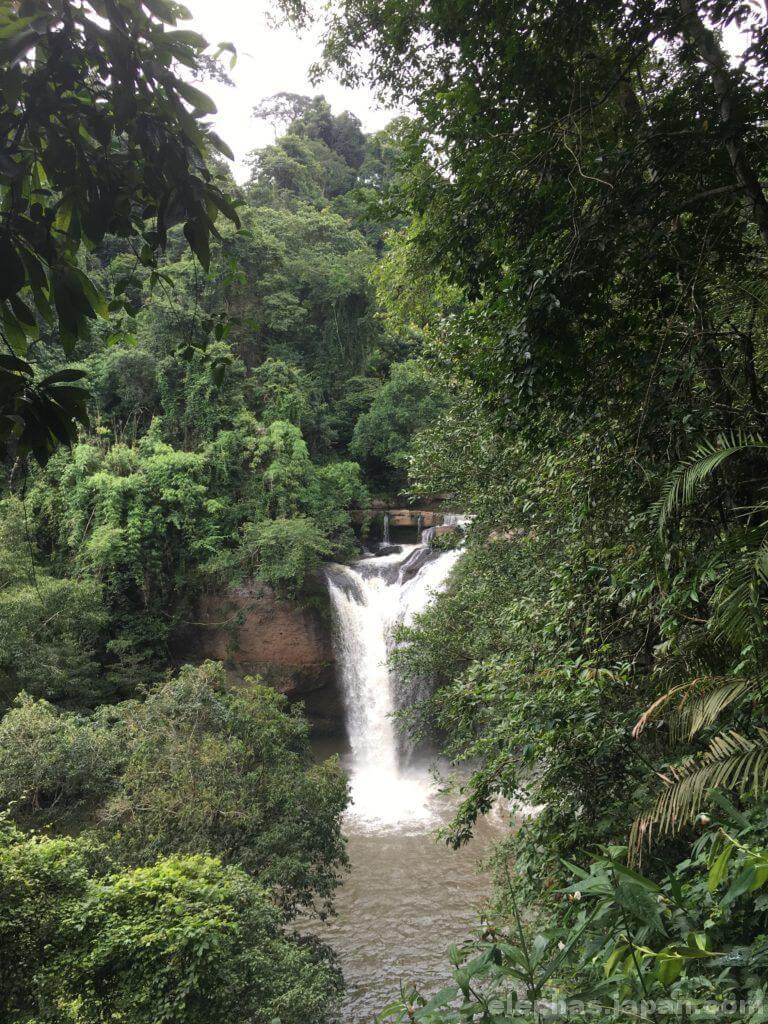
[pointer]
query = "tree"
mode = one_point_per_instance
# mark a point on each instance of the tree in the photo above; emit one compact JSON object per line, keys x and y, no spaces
{"x":51,"y":629}
{"x":52,"y":762}
{"x":196,"y":767}
{"x":408,"y":402}
{"x":286,"y":552}
{"x":230,"y":773}
{"x":585,"y":264}
{"x":595,"y":191}
{"x":183,"y":939}
{"x":102,"y":135}
{"x":283,"y":392}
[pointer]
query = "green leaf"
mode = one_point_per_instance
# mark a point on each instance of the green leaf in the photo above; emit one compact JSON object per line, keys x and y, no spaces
{"x":442,"y":997}
{"x":66,"y":376}
{"x":196,"y":97}
{"x":25,"y":316}
{"x":719,"y":867}
{"x":645,"y":883}
{"x":727,"y":807}
{"x":12,"y":275}
{"x":187,"y":38}
{"x":162,"y":10}
{"x":222,"y":203}
{"x":14,"y":332}
{"x":574,"y":869}
{"x":9,"y":362}
{"x":613,"y":960}
{"x":196,"y":233}
{"x":670,"y":969}
{"x":688,"y":952}
{"x":218,"y":143}
{"x":229,"y":48}
{"x":94,"y":295}
{"x":742,"y":883}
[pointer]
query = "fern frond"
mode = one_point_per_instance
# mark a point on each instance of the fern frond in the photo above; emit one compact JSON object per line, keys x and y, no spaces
{"x":688,"y":477}
{"x":731,"y":761}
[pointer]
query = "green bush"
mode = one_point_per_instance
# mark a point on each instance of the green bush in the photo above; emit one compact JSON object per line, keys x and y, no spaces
{"x":193,"y":768}
{"x":230,"y":774}
{"x":185,"y":939}
{"x":50,"y":760}
{"x":287,"y":551}
{"x":410,"y":401}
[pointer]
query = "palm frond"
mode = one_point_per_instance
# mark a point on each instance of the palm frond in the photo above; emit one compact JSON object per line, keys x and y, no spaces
{"x":739,"y":597}
{"x":700,"y":703}
{"x":704,"y":705}
{"x":758,"y":292}
{"x":693,"y":472}
{"x":731,"y":761}
{"x":736,"y":604}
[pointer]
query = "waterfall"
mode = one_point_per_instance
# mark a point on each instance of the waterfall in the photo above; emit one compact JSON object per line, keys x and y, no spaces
{"x":385,"y":530}
{"x":369,"y":599}
{"x":448,"y":519}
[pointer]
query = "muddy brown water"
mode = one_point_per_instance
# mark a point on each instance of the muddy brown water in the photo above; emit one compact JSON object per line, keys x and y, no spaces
{"x":406,"y":899}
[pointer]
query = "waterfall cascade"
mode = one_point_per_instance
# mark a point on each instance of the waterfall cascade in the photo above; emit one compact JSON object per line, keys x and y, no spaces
{"x":370,"y":598}
{"x":449,"y":519}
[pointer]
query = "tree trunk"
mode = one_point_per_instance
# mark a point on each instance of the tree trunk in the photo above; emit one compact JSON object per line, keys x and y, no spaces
{"x":716,"y":60}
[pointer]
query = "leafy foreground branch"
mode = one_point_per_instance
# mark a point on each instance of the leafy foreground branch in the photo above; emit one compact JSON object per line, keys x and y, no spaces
{"x":102,"y":133}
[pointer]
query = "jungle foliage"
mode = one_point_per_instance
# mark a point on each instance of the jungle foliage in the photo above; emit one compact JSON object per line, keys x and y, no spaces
{"x":584,"y":267}
{"x":186,"y":362}
{"x":225,"y":411}
{"x":543,"y":294}
{"x":184,"y":938}
{"x":102,"y":134}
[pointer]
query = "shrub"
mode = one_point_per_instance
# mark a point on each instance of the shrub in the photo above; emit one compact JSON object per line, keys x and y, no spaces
{"x":185,"y":939}
{"x":287,"y":551}
{"x":231,"y":774}
{"x":49,"y":757}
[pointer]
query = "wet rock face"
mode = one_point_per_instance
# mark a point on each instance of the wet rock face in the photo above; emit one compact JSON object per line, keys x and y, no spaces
{"x":285,"y":643}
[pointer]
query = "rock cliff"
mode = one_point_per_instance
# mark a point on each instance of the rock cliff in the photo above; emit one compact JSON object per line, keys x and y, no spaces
{"x":287,"y":644}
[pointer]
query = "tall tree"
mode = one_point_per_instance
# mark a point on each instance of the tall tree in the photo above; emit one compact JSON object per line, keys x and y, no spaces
{"x":584,"y":170}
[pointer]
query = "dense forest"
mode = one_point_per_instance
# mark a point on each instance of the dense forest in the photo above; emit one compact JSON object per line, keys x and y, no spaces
{"x":541,"y":296}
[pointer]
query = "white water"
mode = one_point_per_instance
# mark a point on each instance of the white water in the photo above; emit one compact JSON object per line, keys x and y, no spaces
{"x":369,"y":599}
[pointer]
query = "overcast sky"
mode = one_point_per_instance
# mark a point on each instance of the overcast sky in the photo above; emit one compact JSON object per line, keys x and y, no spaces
{"x":269,"y":60}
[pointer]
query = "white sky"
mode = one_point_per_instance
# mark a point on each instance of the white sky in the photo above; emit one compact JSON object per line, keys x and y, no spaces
{"x":269,"y":60}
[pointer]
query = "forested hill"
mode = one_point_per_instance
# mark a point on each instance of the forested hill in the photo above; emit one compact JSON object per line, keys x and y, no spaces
{"x":236,"y":417}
